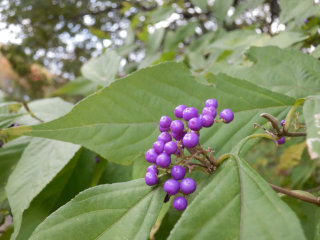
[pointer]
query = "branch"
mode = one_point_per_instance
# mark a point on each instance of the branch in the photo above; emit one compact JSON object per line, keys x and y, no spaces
{"x":315,"y":200}
{"x":25,"y":105}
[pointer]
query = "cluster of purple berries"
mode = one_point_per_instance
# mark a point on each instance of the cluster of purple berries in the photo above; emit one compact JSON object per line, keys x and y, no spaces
{"x":175,"y":136}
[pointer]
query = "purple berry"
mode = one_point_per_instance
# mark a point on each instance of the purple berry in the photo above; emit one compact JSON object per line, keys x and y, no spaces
{"x":158,"y":146}
{"x":97,"y":159}
{"x":195,"y":124}
{"x":1,"y":143}
{"x":226,"y":115}
{"x":151,"y":155}
{"x":211,"y":103}
{"x":282,"y":122}
{"x":178,"y":136}
{"x":190,"y":140}
{"x":178,"y":172}
{"x":161,"y":129}
{"x":206,"y":120}
{"x":164,"y":137}
{"x":165,"y":122}
{"x":179,"y":110}
{"x":180,"y":203}
{"x":177,"y":126}
{"x":163,"y":160}
{"x":171,"y":186}
{"x":188,"y":185}
{"x":170,"y":147}
{"x":281,"y":140}
{"x":151,"y":178}
{"x":209,"y":111}
{"x":189,"y":113}
{"x":152,"y":168}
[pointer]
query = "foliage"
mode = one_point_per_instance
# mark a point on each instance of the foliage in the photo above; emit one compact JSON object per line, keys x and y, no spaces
{"x":73,"y":171}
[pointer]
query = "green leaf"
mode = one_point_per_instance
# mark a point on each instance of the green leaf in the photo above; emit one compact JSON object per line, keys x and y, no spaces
{"x":10,"y":154}
{"x":79,"y":86}
{"x":289,"y":72}
{"x":161,"y":14}
{"x":40,"y":162}
{"x":200,"y":3}
{"x":220,"y":9}
{"x":298,"y":10}
{"x":102,"y":69}
{"x":173,"y":38}
{"x":114,"y":173}
{"x":117,"y":211}
{"x":120,"y":122}
{"x":311,"y":112}
{"x":237,"y":204}
{"x":45,"y":109}
{"x":309,"y":216}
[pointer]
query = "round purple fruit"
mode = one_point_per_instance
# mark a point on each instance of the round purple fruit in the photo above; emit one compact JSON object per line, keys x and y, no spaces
{"x":151,"y":155}
{"x":151,"y":178}
{"x":188,"y":185}
{"x":163,"y":160}
{"x":178,"y":172}
{"x":180,"y":203}
{"x":189,"y":113}
{"x":190,"y":140}
{"x":226,"y":115}
{"x":178,"y":111}
{"x":171,"y":186}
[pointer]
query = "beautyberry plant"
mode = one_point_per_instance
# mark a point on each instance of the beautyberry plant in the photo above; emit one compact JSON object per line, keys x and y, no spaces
{"x":178,"y":148}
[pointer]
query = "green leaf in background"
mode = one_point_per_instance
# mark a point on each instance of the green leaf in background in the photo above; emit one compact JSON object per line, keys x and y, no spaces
{"x":241,"y":203}
{"x":288,"y":72}
{"x":311,"y":113}
{"x":220,"y":9}
{"x":200,"y":3}
{"x":102,"y":69}
{"x":120,"y":122}
{"x":161,"y":14}
{"x":309,"y":216}
{"x":40,"y":162}
{"x":297,"y":9}
{"x":173,"y":38}
{"x":45,"y":109}
{"x":10,"y":154}
{"x":117,"y":211}
{"x":79,"y":86}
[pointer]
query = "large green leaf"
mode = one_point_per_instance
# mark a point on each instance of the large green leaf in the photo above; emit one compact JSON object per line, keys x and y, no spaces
{"x":237,"y":204}
{"x":40,"y":162}
{"x":121,"y":121}
{"x":311,"y":112}
{"x":288,"y":72}
{"x":102,"y":69}
{"x":117,"y":211}
{"x":73,"y":178}
{"x":10,"y":154}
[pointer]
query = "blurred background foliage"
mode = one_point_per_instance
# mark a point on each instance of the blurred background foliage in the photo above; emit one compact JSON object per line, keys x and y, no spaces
{"x":50,"y":40}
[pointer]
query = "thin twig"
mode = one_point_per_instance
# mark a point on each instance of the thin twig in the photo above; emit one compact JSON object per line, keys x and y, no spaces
{"x":315,"y":200}
{"x":25,"y":105}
